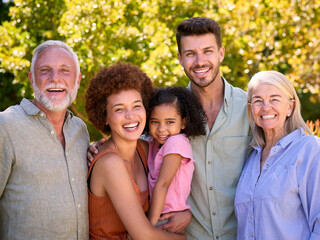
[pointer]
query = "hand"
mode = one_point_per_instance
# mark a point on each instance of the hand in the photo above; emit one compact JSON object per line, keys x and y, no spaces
{"x":93,"y":150}
{"x":178,"y":221}
{"x":129,"y":237}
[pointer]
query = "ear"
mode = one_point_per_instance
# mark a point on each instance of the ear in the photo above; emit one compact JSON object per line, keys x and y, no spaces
{"x":30,"y":78}
{"x":292,"y":104}
{"x":79,"y":79}
{"x":180,"y":59}
{"x":221,"y":53}
{"x":183,"y":123}
{"x":249,"y":106}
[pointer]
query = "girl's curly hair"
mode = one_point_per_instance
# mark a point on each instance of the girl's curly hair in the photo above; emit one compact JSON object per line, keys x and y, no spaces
{"x":187,"y":105}
{"x":110,"y":80}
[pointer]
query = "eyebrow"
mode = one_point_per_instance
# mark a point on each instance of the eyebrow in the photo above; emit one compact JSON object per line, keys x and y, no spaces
{"x":120,"y":104}
{"x":63,"y":65}
{"x":206,"y":48}
{"x":275,"y":95}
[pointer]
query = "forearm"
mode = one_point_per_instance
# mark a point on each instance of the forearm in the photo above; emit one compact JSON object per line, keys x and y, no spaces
{"x":157,"y":202}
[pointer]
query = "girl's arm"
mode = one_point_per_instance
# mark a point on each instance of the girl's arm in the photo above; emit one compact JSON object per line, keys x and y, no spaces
{"x":117,"y":183}
{"x":169,"y":167}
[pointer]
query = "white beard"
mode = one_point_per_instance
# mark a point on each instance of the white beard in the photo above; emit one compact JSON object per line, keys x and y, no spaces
{"x":49,"y":103}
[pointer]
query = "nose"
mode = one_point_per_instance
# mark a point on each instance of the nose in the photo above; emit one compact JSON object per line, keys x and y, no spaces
{"x":54,"y":75}
{"x":161,"y":128}
{"x":200,"y":59}
{"x":129,"y":113}
{"x":266,"y":105}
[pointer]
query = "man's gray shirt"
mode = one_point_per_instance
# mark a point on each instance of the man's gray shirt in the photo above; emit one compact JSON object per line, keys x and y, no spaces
{"x":219,"y":159}
{"x":43,"y":189}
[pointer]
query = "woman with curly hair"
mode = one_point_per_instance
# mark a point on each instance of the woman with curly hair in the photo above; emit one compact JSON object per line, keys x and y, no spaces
{"x":174,"y":115}
{"x":117,"y":178}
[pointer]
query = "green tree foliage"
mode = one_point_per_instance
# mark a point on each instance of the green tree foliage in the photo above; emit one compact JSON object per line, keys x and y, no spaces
{"x":258,"y":35}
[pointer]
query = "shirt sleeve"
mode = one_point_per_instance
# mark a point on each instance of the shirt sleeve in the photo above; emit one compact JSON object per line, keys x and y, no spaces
{"x":178,"y":144}
{"x":309,"y":190}
{"x":6,"y":156}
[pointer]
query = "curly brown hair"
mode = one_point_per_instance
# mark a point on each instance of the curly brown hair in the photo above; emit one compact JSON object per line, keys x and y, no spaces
{"x":110,"y":80}
{"x":187,"y":105}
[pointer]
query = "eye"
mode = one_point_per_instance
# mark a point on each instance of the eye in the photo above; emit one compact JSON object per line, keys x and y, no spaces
{"x":65,"y":70}
{"x":170,"y":122}
{"x":154,"y":122}
{"x":118,"y":110}
{"x":189,"y":54}
{"x":138,"y":106}
{"x":275,"y":100}
{"x":44,"y":70}
{"x":257,"y":101}
{"x":208,"y":51}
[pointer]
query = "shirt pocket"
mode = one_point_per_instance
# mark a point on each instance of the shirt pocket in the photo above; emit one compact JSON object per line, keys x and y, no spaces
{"x":235,"y":153}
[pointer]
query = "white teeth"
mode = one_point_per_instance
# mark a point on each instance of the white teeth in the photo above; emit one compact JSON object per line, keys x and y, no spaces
{"x":201,"y":71}
{"x":268,"y":116}
{"x":132,"y":125}
{"x":55,"y":90}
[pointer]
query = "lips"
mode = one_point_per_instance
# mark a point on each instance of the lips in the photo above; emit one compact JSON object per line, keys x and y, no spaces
{"x":202,"y":71}
{"x":162,"y":138}
{"x":268,"y":116}
{"x":55,"y":90}
{"x":131,"y":126}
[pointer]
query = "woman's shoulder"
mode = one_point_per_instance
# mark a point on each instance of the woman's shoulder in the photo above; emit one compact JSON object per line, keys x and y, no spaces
{"x":107,"y":155}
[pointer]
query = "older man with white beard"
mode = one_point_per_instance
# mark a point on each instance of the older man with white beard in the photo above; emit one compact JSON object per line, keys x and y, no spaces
{"x":43,"y":148}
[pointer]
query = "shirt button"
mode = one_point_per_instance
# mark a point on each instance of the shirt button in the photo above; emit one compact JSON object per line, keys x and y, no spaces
{"x":41,"y":114}
{"x":250,"y":217}
{"x":79,"y":205}
{"x":214,"y":213}
{"x":52,"y":132}
{"x":209,"y":162}
{"x":210,"y":188}
{"x":72,"y":179}
{"x":251,"y":234}
{"x":285,"y":167}
{"x":217,"y":237}
{"x":275,"y":150}
{"x":267,"y":165}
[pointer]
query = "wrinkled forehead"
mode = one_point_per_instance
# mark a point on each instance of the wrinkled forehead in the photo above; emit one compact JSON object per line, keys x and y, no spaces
{"x":55,"y":56}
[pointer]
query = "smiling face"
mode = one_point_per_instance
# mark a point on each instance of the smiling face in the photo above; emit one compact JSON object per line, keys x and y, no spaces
{"x":55,"y":81}
{"x":201,"y":57}
{"x":126,"y":114}
{"x":164,"y":122}
{"x":270,"y":108}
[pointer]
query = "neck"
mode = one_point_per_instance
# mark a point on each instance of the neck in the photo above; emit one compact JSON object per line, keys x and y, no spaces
{"x":211,"y":98}
{"x":126,"y":149}
{"x":272,"y":137}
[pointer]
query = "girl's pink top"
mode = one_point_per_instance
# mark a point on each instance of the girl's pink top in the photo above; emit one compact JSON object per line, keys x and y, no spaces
{"x":179,"y":189}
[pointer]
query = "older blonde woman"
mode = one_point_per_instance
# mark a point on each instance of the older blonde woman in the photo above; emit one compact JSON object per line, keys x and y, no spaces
{"x":278,"y":194}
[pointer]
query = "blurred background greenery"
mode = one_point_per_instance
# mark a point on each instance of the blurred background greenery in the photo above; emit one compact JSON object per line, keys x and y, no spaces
{"x":258,"y":35}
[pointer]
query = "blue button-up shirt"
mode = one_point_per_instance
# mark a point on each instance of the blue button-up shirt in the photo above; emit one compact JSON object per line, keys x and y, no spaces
{"x":283,"y":201}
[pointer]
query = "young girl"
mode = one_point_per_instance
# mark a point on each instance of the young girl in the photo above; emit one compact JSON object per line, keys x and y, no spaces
{"x":174,"y":115}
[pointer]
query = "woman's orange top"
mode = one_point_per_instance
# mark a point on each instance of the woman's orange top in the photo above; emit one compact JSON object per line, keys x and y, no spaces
{"x":104,"y":222}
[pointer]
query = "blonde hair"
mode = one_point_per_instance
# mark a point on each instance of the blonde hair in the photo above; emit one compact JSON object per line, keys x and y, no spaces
{"x":281,"y":82}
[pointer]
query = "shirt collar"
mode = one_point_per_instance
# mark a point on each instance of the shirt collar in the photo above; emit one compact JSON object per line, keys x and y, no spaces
{"x":227,"y":91}
{"x":286,"y":140}
{"x":33,"y":110}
